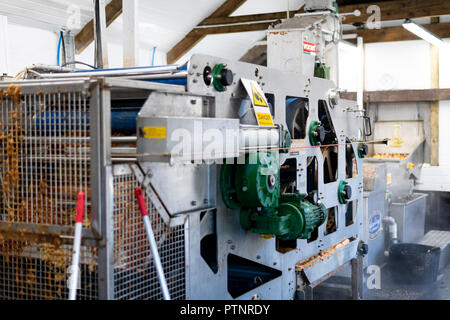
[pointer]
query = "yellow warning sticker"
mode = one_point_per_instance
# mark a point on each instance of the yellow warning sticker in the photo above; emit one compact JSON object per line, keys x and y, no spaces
{"x":264,"y":119}
{"x":155,"y":132}
{"x":258,"y":99}
{"x":259,"y":102}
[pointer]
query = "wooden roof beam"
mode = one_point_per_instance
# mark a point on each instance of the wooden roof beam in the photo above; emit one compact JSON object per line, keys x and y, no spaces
{"x":195,"y":36}
{"x":442,"y":30}
{"x":390,"y":10}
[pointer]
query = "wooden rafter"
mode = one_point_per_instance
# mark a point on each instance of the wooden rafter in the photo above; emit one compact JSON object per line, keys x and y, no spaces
{"x":386,"y":96}
{"x":399,"y":33}
{"x":85,"y":37}
{"x":195,"y":36}
{"x":390,"y":10}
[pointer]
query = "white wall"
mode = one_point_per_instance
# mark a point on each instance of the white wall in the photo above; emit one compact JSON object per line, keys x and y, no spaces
{"x":348,"y":67}
{"x":401,"y":65}
{"x":3,"y":49}
{"x":114,"y":38}
{"x":27,"y":46}
{"x":398,"y":65}
{"x":444,"y":107}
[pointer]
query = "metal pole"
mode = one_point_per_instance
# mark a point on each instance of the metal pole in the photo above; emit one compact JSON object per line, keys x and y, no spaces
{"x":151,"y":238}
{"x":75,"y":270}
{"x":360,"y":93}
{"x":101,"y":48}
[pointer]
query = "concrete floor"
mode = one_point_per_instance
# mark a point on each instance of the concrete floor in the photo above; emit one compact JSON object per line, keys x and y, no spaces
{"x":337,"y":289}
{"x":390,"y":290}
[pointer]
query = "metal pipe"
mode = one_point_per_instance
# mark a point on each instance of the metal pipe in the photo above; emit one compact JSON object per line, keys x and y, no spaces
{"x":360,"y":93}
{"x":177,"y":75}
{"x":392,"y":228}
{"x":114,"y":72}
{"x":75,"y":269}
{"x":153,"y":246}
{"x":101,"y":48}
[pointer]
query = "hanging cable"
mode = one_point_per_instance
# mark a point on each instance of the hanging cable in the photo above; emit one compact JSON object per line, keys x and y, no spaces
{"x":78,"y":62}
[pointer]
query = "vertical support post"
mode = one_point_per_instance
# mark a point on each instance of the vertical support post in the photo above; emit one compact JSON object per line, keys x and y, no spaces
{"x":434,"y":113}
{"x":101,"y":46}
{"x":131,"y":33}
{"x":357,"y":278}
{"x":102,"y":186}
{"x":361,"y":84}
{"x":4,"y":48}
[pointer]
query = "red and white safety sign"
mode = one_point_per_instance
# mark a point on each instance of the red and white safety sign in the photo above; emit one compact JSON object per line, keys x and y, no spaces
{"x":309,"y":48}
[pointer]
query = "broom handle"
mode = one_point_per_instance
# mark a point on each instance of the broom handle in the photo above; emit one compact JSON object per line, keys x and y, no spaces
{"x":151,"y":238}
{"x":75,"y":271}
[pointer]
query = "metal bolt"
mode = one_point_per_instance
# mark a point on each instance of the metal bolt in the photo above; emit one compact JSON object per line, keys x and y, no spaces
{"x":194,"y":203}
{"x":258,"y":257}
{"x":233,"y":247}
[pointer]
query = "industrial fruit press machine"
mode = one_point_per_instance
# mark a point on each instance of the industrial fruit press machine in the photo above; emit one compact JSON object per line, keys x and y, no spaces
{"x":252,"y":176}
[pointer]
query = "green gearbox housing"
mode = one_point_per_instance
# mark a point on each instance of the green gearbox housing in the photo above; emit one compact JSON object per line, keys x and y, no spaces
{"x":254,"y":188}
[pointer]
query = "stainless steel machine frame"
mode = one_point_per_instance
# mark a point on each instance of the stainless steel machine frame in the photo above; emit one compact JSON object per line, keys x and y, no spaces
{"x":181,"y":214}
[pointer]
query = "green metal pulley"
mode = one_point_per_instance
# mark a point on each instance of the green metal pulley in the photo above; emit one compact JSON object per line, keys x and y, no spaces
{"x":221,"y":77}
{"x":344,"y":192}
{"x":316,"y":133}
{"x":363,"y":150}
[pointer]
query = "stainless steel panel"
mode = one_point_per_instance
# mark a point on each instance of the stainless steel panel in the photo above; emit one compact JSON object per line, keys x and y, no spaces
{"x":409,"y":213}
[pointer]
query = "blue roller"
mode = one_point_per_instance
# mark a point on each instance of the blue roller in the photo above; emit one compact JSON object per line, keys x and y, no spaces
{"x":123,"y":121}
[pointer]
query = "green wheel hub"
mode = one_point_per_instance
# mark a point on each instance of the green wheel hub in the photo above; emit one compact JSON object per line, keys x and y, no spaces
{"x":313,"y":138}
{"x":362,"y":150}
{"x":343,"y":192}
{"x":217,"y":71}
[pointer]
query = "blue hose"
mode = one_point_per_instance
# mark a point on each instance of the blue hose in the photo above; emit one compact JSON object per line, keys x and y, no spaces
{"x":58,"y":56}
{"x":153,"y":56}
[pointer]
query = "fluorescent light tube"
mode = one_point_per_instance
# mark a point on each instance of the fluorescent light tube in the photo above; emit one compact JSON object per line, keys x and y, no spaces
{"x":423,"y":33}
